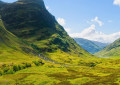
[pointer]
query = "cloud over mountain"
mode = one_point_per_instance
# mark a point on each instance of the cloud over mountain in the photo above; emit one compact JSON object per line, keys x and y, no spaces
{"x":92,"y":34}
{"x":61,"y":21}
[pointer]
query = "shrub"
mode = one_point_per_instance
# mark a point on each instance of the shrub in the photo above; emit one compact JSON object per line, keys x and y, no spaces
{"x":10,"y":71}
{"x":5,"y":69}
{"x":27,"y":65}
{"x":92,"y":64}
{"x":41,"y":62}
{"x":38,"y":63}
{"x":23,"y":67}
{"x":15,"y":68}
{"x":19,"y":67}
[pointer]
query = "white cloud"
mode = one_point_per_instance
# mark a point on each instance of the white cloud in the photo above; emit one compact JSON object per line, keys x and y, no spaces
{"x":48,"y":8}
{"x":61,"y":21}
{"x":68,"y":30}
{"x":97,"y":21}
{"x":116,"y":2}
{"x":92,"y":34}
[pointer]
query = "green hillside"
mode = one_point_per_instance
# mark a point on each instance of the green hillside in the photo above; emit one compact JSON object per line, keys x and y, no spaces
{"x":19,"y":65}
{"x":12,"y":48}
{"x":88,"y":45}
{"x":111,"y":50}
{"x":31,"y":21}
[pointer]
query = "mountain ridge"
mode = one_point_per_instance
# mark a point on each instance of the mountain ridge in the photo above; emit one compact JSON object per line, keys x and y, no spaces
{"x":88,"y":45}
{"x":40,"y":2}
{"x":101,"y":44}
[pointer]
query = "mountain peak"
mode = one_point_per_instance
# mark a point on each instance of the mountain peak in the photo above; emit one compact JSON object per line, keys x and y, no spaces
{"x":41,"y":2}
{"x":31,"y":1}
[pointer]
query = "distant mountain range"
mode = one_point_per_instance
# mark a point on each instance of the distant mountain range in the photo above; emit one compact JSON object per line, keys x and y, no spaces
{"x":100,"y":44}
{"x":90,"y":46}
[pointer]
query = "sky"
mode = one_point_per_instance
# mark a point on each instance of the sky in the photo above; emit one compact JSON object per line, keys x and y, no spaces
{"x":97,"y":20}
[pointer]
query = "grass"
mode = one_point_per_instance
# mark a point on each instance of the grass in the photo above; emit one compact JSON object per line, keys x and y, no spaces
{"x":80,"y":81}
{"x":104,"y":73}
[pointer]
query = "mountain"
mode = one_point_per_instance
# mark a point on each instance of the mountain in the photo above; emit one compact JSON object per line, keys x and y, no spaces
{"x":100,"y":44}
{"x":111,"y":50}
{"x":88,"y":45}
{"x":30,"y":21}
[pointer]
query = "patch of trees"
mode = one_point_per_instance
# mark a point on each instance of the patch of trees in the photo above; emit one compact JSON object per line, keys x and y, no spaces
{"x":11,"y":69}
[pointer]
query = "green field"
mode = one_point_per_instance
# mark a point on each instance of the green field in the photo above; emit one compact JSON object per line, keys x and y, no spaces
{"x":87,"y":71}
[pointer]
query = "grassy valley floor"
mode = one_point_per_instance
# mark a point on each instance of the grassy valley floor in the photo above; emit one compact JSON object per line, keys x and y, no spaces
{"x":87,"y":71}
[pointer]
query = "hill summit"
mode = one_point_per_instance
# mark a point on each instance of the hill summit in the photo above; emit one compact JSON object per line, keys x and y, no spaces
{"x":40,"y":2}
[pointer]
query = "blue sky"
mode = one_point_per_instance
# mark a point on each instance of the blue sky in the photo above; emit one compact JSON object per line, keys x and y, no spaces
{"x":87,"y":18}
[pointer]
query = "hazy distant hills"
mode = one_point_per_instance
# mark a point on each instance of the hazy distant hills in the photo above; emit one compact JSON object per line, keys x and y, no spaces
{"x":111,"y":50}
{"x":100,"y":44}
{"x":90,"y":46}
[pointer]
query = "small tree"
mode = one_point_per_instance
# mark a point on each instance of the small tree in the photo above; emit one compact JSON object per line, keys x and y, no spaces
{"x":15,"y":68}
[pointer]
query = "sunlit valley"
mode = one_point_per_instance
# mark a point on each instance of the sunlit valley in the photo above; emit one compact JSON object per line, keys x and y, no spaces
{"x":35,"y":49}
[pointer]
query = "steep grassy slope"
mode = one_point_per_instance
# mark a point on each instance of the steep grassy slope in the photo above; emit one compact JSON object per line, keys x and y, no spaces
{"x":29,"y":20}
{"x":12,"y":48}
{"x":15,"y":54}
{"x":88,"y":45}
{"x":111,"y":50}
